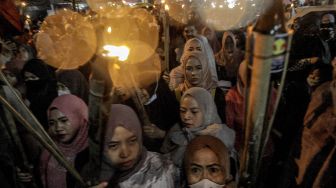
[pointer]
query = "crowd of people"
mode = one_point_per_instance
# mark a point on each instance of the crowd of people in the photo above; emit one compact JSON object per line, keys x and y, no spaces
{"x":195,"y":136}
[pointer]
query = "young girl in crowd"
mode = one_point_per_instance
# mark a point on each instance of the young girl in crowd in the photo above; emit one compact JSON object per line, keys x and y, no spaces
{"x":68,"y":126}
{"x":229,"y":58}
{"x":198,"y":44}
{"x":41,"y":88}
{"x":126,"y":162}
{"x":199,"y":116}
{"x":197,"y":73}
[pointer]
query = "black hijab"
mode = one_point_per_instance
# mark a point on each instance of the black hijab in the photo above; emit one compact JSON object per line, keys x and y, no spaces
{"x":41,"y":92}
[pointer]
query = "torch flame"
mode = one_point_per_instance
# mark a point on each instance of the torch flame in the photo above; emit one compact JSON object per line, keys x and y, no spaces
{"x":121,"y":52}
{"x":109,"y":29}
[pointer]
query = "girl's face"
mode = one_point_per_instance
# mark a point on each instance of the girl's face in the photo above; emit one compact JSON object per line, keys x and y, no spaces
{"x":208,"y":33}
{"x":60,"y":127}
{"x":194,"y":46}
{"x":190,"y":113}
{"x":23,"y":54}
{"x":28,"y":76}
{"x":314,"y":77}
{"x":193,"y":71}
{"x":10,"y":77}
{"x":123,"y":149}
{"x":204,"y":164}
{"x":229,"y":45}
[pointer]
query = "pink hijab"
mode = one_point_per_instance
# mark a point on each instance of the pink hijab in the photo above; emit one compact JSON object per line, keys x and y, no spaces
{"x":75,"y":109}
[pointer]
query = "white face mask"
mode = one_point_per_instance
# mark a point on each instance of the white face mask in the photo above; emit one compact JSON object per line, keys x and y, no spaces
{"x":205,"y":183}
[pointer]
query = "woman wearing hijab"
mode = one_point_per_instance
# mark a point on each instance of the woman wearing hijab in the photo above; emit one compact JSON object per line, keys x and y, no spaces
{"x":210,"y":34}
{"x":316,"y":161}
{"x":198,"y":44}
{"x":68,"y":126}
{"x":23,"y":54}
{"x":207,"y":163}
{"x":75,"y":81}
{"x":228,"y":58}
{"x":197,"y":73}
{"x":199,"y":116}
{"x":41,"y":88}
{"x":126,"y":162}
{"x":235,"y":105}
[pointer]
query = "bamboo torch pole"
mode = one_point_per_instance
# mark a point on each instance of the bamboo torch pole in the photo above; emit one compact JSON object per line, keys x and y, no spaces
{"x":35,"y":124}
{"x":166,"y":35}
{"x":36,"y":134}
{"x":279,"y":93}
{"x":261,"y":49}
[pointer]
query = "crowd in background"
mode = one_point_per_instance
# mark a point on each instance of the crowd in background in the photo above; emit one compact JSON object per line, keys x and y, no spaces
{"x":196,"y":111}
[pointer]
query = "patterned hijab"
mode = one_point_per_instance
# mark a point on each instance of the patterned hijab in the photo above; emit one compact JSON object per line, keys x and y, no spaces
{"x":207,"y":82}
{"x":75,"y":109}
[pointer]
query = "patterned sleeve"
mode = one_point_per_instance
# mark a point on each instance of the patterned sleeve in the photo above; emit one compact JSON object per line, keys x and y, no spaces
{"x":300,"y":65}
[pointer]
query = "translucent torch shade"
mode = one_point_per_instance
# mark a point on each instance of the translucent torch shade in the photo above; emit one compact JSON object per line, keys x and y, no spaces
{"x":220,"y":14}
{"x":134,"y":28}
{"x":97,"y":5}
{"x":141,"y":74}
{"x":66,"y":40}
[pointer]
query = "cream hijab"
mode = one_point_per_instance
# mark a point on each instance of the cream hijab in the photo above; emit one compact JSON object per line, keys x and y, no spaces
{"x":207,"y":82}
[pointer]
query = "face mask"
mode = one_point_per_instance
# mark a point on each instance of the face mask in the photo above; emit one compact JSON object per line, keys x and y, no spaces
{"x":327,"y":33}
{"x":205,"y":183}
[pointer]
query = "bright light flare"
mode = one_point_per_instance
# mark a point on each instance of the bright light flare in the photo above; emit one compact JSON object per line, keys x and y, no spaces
{"x":166,"y":7}
{"x":121,"y":52}
{"x":109,"y":29}
{"x":231,"y":4}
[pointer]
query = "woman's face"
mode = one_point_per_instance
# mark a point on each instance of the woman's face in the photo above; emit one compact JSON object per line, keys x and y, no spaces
{"x":193,"y":71}
{"x":123,"y":149}
{"x":208,"y":34}
{"x":10,"y":77}
{"x":229,"y":45}
{"x":28,"y":76}
{"x":314,"y":77}
{"x":189,"y":32}
{"x":190,"y":113}
{"x":60,"y":127}
{"x":204,"y":164}
{"x":23,"y":54}
{"x":194,"y":45}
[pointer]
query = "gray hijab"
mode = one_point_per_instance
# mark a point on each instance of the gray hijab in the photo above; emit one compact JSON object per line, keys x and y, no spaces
{"x":211,"y":124}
